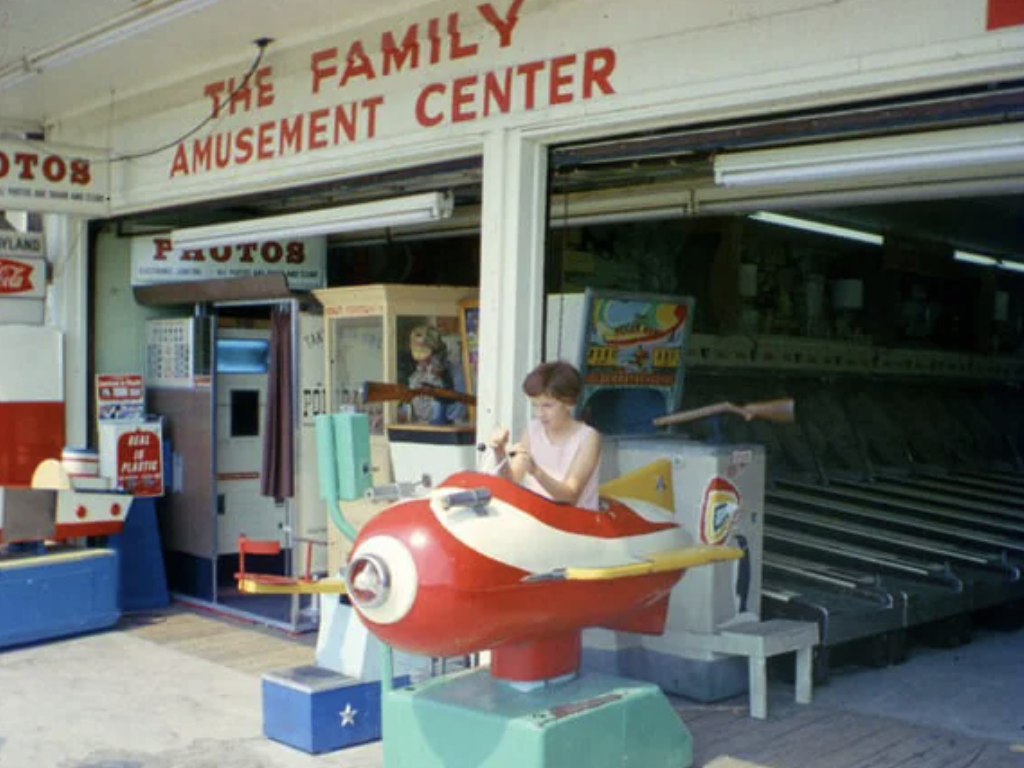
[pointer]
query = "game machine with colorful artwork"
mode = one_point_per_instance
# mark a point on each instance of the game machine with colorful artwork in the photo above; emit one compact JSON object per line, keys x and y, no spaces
{"x":51,"y":499}
{"x":631,"y":351}
{"x":395,"y":354}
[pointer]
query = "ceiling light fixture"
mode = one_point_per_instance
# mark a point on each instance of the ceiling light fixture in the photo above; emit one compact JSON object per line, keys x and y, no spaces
{"x":886,"y":156}
{"x":988,"y":261}
{"x":817,"y":227}
{"x":975,"y":258}
{"x":392,"y":212}
{"x":121,"y":27}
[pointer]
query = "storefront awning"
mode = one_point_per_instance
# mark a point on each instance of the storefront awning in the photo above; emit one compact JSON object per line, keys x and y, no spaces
{"x":262,"y":288}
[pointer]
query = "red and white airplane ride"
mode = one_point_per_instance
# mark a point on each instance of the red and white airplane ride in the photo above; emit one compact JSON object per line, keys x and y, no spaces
{"x":483,"y":564}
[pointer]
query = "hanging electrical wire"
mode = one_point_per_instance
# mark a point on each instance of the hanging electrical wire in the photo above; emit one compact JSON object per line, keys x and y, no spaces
{"x":262,"y":44}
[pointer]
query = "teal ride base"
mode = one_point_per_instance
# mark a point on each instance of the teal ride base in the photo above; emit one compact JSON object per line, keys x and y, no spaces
{"x":470,"y":720}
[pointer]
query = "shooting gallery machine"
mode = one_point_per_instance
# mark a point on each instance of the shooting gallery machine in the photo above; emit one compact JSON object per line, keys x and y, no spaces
{"x":631,"y":350}
{"x":413,"y":337}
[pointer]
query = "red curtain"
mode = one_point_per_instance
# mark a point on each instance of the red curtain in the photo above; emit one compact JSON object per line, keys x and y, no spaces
{"x":277,"y":478}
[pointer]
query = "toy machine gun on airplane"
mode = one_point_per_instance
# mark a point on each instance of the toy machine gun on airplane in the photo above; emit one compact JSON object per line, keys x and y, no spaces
{"x":479,"y":563}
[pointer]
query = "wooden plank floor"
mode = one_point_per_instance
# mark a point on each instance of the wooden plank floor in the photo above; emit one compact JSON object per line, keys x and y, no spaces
{"x":724,"y":736}
{"x":230,"y":642}
{"x":816,"y":736}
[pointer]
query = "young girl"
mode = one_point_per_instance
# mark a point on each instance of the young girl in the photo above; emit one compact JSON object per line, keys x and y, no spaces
{"x":559,"y":455}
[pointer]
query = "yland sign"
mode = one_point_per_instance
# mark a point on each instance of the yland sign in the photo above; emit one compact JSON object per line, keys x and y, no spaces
{"x":25,"y":245}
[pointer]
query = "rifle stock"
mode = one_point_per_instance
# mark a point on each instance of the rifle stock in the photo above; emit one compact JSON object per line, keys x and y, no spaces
{"x":382,"y":392}
{"x":780,"y":411}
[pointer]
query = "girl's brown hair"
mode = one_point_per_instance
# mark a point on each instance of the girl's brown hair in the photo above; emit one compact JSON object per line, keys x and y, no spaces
{"x":558,"y":379}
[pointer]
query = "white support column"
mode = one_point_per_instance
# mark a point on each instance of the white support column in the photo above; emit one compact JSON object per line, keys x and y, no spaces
{"x":67,"y":309}
{"x":511,"y":277}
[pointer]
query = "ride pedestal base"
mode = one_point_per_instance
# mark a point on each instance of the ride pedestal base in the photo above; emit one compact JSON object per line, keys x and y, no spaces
{"x":471,"y":720}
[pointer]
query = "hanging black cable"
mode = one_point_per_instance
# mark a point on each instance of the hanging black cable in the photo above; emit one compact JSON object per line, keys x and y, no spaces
{"x":262,"y":43}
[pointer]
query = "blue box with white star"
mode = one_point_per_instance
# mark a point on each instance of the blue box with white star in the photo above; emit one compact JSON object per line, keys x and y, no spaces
{"x":317,"y":710}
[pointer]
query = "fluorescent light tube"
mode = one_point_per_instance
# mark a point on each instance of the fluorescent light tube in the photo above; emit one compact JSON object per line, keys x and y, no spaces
{"x":975,"y":258}
{"x":126,"y":25}
{"x":988,"y":261}
{"x":817,"y":227}
{"x":926,"y":151}
{"x":393,"y":212}
{"x":15,"y":73}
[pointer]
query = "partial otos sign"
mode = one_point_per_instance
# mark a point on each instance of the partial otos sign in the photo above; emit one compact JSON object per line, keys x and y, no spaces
{"x":45,"y":178}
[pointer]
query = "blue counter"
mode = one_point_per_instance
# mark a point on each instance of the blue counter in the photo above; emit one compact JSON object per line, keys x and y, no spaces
{"x":52,"y":595}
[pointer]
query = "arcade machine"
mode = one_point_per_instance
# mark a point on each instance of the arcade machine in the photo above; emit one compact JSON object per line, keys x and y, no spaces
{"x":382,"y":343}
{"x":400,"y":339}
{"x":49,"y":585}
{"x":630,"y":349}
{"x":241,"y":391}
{"x":208,"y":375}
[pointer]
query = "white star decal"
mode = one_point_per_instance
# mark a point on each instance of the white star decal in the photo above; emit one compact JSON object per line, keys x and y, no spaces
{"x":348,"y":715}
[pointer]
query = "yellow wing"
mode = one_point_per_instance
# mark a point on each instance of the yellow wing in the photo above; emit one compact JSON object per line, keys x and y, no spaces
{"x":659,"y":562}
{"x":254,"y":584}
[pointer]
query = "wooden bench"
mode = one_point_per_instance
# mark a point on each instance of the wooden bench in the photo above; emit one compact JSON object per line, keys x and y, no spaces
{"x":759,"y":641}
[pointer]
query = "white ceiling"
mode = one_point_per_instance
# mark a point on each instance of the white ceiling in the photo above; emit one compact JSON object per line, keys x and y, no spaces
{"x":183,"y":36}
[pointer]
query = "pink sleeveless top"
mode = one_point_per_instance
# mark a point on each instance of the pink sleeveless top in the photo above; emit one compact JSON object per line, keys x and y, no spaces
{"x":556,"y":460}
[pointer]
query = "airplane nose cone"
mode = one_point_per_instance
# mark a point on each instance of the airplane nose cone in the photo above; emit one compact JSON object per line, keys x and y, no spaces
{"x":369,"y":581}
{"x":382,"y":580}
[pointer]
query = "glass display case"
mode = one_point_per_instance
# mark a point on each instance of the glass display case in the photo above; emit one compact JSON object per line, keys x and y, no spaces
{"x":405,"y":335}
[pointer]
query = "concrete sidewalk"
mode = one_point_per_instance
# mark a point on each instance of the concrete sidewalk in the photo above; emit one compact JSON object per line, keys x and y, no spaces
{"x":182,"y":690}
{"x":113,"y":700}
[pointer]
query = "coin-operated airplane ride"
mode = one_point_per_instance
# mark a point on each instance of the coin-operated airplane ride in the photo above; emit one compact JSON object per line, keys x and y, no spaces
{"x":482,"y":564}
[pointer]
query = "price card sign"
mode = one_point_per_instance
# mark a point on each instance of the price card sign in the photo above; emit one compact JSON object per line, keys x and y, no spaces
{"x":170,"y":350}
{"x":140,"y":469}
{"x":120,"y":396}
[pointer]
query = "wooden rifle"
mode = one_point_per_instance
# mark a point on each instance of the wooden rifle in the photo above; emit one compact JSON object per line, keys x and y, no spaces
{"x":780,"y":411}
{"x":382,"y":392}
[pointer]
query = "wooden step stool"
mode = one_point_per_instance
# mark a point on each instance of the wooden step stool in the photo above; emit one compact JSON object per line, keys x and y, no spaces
{"x":759,"y":641}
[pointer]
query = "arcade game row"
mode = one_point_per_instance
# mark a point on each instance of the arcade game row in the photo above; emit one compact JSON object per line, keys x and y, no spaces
{"x":630,"y":349}
{"x":441,"y":574}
